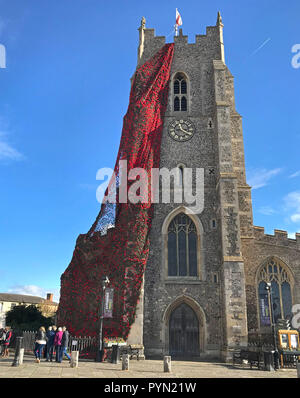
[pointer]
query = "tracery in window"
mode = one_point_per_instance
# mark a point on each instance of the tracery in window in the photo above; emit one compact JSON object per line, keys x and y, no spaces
{"x":180,"y":93}
{"x":281,"y":297}
{"x":182,"y":246}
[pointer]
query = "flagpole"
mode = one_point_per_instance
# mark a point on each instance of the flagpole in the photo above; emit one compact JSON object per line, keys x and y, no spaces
{"x":176,"y":29}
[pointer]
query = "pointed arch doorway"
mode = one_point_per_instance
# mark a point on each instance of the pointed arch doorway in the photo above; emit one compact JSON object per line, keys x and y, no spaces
{"x":184,"y":332}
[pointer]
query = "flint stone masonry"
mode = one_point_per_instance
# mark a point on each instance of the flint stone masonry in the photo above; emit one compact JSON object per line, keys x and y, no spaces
{"x":210,"y":98}
{"x":255,"y":252}
{"x":224,"y":294}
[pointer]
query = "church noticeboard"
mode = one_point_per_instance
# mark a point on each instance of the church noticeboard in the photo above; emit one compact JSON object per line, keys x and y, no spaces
{"x":108,"y":303}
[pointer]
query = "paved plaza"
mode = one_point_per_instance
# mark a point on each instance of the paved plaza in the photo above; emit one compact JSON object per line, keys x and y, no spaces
{"x":138,"y":369}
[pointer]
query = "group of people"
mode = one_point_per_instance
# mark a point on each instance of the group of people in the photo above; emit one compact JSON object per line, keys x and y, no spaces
{"x":54,"y":340}
{"x":5,"y":336}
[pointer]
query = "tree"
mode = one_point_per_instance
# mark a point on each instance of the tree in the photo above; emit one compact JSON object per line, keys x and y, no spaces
{"x":24,"y":317}
{"x":47,"y":310}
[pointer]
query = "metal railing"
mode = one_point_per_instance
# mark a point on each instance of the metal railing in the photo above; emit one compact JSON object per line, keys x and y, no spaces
{"x":87,"y":345}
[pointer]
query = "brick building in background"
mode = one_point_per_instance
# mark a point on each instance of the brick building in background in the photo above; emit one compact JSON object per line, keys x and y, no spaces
{"x":47,"y":306}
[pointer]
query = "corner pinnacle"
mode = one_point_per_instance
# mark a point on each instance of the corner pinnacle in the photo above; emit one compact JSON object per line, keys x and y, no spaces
{"x":143,"y":23}
{"x":219,"y":19}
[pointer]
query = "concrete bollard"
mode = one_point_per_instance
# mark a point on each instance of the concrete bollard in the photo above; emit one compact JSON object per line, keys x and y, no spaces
{"x":74,"y":359}
{"x":167,"y":364}
{"x":125,"y":362}
{"x":19,"y":342}
{"x":298,"y":370}
{"x":21,"y":356}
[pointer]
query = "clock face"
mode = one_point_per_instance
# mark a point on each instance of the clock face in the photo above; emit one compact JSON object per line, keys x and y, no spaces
{"x":181,"y":130}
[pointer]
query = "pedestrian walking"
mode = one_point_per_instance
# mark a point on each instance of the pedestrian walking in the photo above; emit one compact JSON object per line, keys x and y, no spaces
{"x":2,"y":338}
{"x":57,"y":343}
{"x":50,"y":343}
{"x":64,"y":344}
{"x":6,"y":342}
{"x":40,"y":343}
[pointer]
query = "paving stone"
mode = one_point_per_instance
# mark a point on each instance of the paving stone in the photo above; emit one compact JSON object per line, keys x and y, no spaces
{"x":143,"y":369}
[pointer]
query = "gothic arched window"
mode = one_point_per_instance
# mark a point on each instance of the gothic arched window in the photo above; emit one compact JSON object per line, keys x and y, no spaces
{"x":182,"y":246}
{"x":176,"y":104}
{"x":181,"y":171}
{"x":180,"y":93}
{"x":280,"y":299}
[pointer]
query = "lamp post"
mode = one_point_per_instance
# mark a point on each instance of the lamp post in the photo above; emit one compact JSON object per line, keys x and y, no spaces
{"x":270,"y":299}
{"x":104,"y":283}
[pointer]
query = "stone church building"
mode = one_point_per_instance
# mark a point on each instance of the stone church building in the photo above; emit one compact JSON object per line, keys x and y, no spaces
{"x":205,"y":280}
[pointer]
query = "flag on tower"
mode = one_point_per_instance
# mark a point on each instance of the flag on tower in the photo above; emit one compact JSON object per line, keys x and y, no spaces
{"x":178,"y":22}
{"x":178,"y":18}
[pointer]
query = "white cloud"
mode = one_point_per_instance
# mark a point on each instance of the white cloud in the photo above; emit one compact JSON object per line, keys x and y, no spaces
{"x":33,"y":290}
{"x":7,"y":151}
{"x":292,"y":201}
{"x":292,"y":235}
{"x":295,"y":217}
{"x":294,"y":175}
{"x":266,"y":210}
{"x":260,"y":177}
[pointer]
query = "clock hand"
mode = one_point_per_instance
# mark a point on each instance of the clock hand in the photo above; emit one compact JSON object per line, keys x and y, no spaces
{"x":184,"y":131}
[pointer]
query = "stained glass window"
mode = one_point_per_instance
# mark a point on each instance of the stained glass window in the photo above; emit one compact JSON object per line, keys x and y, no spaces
{"x":182,"y":247}
{"x":172,"y":255}
{"x":180,"y":90}
{"x":287,"y":299}
{"x":176,"y":87}
{"x":183,"y":104}
{"x":280,"y":294}
{"x":183,"y":86}
{"x":193,"y":253}
{"x":176,"y":104}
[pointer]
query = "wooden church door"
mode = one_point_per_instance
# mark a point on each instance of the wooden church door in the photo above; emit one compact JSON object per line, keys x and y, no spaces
{"x":184,"y":332}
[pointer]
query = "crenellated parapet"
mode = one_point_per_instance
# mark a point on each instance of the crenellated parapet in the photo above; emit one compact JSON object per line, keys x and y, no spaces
{"x":280,"y":238}
{"x":210,"y":45}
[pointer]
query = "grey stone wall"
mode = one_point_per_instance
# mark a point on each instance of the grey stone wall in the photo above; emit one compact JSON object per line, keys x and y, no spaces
{"x":255,"y":252}
{"x":196,"y":61}
{"x":234,"y":250}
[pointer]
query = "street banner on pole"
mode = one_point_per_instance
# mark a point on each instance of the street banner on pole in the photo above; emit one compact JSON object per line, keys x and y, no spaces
{"x":108,"y":303}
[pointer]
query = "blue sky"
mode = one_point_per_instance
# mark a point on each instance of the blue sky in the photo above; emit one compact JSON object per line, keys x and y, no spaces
{"x":64,"y":93}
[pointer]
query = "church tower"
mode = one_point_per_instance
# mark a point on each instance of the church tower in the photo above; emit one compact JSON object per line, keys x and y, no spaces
{"x":194,"y":300}
{"x":185,"y":279}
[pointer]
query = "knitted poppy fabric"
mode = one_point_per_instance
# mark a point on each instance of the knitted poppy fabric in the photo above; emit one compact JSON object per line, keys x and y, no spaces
{"x":117,"y":244}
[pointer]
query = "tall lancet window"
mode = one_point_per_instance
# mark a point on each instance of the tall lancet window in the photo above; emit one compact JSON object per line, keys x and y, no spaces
{"x":182,"y":246}
{"x":280,"y":300}
{"x":180,"y":93}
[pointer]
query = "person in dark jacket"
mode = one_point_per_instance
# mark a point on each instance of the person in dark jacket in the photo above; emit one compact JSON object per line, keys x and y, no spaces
{"x":2,"y":339}
{"x":50,"y":343}
{"x":64,"y":344}
{"x":40,"y":343}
